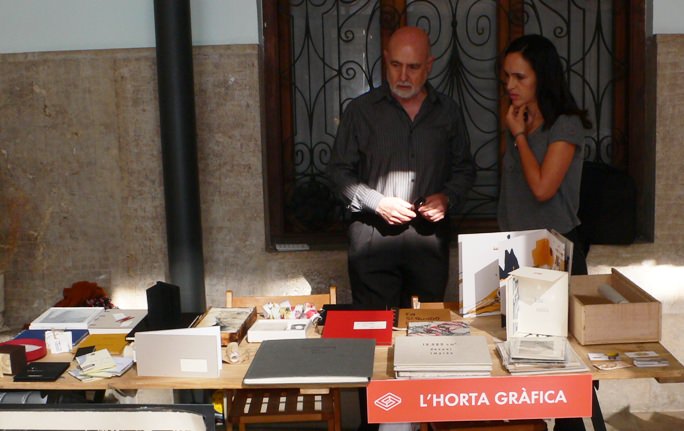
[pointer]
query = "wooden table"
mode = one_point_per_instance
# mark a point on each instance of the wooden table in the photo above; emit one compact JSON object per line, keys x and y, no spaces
{"x":232,"y":374}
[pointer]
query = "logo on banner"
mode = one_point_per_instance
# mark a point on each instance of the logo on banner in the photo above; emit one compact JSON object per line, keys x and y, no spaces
{"x":388,"y":401}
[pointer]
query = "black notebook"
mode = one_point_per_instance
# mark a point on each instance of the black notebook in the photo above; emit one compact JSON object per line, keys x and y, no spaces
{"x":42,"y":372}
{"x":312,"y":360}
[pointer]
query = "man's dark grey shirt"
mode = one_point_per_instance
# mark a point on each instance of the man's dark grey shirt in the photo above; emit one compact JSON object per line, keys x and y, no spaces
{"x":379,"y":152}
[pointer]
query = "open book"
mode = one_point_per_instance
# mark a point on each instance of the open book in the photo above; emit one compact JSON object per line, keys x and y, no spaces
{"x":487,"y":259}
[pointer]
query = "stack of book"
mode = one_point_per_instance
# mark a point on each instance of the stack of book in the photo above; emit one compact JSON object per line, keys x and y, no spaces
{"x":441,"y":357}
{"x":539,"y":355}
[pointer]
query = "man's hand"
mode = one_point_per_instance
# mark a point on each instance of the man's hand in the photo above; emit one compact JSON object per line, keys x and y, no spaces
{"x":395,"y":211}
{"x":435,"y":207}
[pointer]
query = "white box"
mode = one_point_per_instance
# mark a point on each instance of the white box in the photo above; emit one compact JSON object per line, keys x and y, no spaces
{"x":537,"y":303}
{"x":277,"y":329}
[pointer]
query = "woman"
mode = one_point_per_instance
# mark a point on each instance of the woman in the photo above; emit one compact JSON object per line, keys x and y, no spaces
{"x":542,"y":163}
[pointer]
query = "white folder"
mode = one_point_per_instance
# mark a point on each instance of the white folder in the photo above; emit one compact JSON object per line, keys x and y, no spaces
{"x":186,"y":352}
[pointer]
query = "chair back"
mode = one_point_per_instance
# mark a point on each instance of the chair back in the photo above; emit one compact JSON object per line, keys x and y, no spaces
{"x":453,"y":306}
{"x":319,"y":299}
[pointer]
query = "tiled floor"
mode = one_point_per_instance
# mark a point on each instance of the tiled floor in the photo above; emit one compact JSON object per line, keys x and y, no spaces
{"x":657,"y":421}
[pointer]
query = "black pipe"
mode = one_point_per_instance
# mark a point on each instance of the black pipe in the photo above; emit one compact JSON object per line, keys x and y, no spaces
{"x":179,"y":151}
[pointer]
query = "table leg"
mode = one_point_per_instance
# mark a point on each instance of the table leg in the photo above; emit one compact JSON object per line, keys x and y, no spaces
{"x":596,"y":413}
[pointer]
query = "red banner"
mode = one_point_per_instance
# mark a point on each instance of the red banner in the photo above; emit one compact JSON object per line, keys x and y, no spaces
{"x":486,"y":398}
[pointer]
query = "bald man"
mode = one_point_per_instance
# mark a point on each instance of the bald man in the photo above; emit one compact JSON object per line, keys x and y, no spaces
{"x":400,"y":163}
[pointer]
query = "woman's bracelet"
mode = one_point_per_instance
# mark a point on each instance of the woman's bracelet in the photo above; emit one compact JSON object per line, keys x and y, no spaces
{"x":515,"y":138}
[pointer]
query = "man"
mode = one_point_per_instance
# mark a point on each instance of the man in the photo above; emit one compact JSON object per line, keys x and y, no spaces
{"x":400,"y":162}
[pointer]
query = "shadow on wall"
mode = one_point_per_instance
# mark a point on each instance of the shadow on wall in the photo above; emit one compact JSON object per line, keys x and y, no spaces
{"x":626,"y":420}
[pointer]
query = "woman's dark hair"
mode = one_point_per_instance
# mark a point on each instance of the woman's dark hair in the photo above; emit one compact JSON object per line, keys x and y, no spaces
{"x":553,"y":93}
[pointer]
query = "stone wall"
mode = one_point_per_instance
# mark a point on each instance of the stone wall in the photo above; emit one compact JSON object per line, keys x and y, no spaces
{"x":80,"y":151}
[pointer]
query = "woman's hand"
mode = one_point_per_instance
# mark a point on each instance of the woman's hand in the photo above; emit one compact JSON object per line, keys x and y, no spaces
{"x":517,"y":119}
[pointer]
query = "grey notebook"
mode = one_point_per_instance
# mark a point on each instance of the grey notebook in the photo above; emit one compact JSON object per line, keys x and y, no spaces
{"x":312,"y":360}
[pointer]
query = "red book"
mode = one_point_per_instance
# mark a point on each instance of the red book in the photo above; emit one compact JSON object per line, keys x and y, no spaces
{"x":376,"y":324}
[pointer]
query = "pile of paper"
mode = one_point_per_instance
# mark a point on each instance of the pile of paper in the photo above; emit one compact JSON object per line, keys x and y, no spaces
{"x":441,"y":356}
{"x":100,"y":365}
{"x":540,"y":355}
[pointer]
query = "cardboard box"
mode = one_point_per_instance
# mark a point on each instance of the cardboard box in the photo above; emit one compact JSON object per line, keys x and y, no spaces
{"x":596,"y":320}
{"x":233,"y":321}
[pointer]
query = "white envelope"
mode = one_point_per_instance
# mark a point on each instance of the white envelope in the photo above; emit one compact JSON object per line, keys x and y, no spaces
{"x":186,"y":352}
{"x":537,"y":302}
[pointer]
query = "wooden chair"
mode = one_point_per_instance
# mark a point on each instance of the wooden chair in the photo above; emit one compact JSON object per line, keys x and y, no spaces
{"x":277,"y":405}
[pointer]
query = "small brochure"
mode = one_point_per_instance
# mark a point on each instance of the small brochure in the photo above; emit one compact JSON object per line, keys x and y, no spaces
{"x":651,"y":362}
